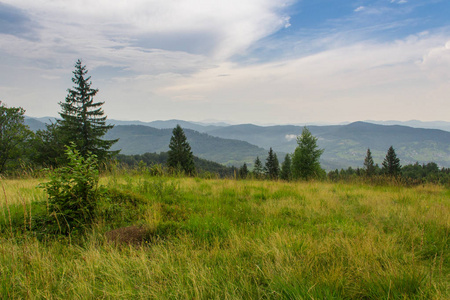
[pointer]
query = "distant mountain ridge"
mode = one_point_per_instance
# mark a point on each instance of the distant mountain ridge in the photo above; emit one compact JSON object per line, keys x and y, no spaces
{"x":345,"y":145}
{"x":206,"y":126}
{"x":198,"y":126}
{"x":442,"y":125}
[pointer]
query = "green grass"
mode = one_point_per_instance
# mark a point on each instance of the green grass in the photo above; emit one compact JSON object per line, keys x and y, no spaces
{"x":227,"y":239}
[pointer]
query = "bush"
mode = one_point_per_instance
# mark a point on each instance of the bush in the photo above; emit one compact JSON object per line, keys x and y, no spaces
{"x":73,"y":192}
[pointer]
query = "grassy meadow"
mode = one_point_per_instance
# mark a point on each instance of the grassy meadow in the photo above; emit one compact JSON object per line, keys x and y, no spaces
{"x":229,"y":239}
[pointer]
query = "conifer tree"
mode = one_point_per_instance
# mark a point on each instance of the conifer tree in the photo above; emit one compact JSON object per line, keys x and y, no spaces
{"x":257,"y":168}
{"x":272,"y":167}
{"x":305,"y":160}
{"x":369,"y":165}
{"x":243,"y":171}
{"x":391,"y":164}
{"x":82,"y":120}
{"x":285,"y":173}
{"x":180,"y":155}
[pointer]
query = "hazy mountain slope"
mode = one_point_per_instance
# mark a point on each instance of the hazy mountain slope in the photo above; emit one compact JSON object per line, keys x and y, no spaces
{"x":169,"y":124}
{"x":442,"y":125}
{"x":34,"y":124}
{"x":39,"y":123}
{"x":137,"y":139}
{"x":346,"y":145}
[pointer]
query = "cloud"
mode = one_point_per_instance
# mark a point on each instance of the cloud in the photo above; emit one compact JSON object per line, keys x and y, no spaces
{"x":291,"y":137}
{"x":346,"y":83}
{"x":226,"y":27}
{"x":436,"y":62}
{"x":360,"y":8}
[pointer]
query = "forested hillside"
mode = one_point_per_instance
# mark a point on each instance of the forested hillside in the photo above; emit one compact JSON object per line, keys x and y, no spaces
{"x":345,"y":145}
{"x":138,"y":139}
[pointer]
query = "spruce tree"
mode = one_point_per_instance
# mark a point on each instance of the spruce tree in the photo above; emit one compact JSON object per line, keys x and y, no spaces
{"x":391,"y":164}
{"x":180,"y":156}
{"x":257,"y":168}
{"x":243,"y":171}
{"x":285,"y":173}
{"x":272,"y":167}
{"x":305,"y":160}
{"x":369,"y":165}
{"x":82,"y":120}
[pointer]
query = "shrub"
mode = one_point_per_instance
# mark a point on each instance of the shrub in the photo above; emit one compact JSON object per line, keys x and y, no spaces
{"x":73,"y":192}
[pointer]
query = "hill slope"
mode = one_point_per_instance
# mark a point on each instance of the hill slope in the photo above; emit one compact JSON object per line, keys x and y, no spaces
{"x":346,"y":145}
{"x":138,"y":139}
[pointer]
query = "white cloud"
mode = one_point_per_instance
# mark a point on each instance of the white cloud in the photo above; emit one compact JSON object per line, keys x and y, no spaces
{"x":347,"y":83}
{"x":436,"y":63}
{"x":291,"y":137}
{"x":360,"y":8}
{"x":231,"y":25}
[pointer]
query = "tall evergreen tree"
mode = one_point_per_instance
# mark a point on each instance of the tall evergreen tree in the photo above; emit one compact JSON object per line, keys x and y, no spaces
{"x":369,"y":166}
{"x":243,"y":171}
{"x":82,"y":120}
{"x":272,"y":167}
{"x":305,"y":160}
{"x":180,"y":155}
{"x":257,"y":168}
{"x":285,"y":173}
{"x":391,"y":163}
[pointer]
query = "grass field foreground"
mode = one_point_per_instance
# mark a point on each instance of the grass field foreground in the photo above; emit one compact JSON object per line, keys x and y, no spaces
{"x":228,"y":239}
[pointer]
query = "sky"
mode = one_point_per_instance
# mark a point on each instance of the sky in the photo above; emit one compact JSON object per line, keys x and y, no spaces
{"x":240,"y":61}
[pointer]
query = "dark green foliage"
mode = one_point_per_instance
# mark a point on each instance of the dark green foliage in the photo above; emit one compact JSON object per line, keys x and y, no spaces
{"x":83,"y":122}
{"x":73,"y":192}
{"x":180,"y":154}
{"x":369,"y":166}
{"x":426,"y":173}
{"x":13,"y":135}
{"x":48,"y":147}
{"x":305,"y":160}
{"x":391,"y":164}
{"x":257,"y":168}
{"x":272,"y":167}
{"x":206,"y":166}
{"x":243,"y":171}
{"x":410,"y":174}
{"x":285,"y":172}
{"x":152,"y":159}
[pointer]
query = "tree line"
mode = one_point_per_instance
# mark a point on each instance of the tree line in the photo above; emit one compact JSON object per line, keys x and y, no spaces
{"x":412,"y":173}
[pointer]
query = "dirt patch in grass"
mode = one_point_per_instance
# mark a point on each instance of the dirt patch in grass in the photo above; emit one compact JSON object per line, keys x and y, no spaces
{"x":128,"y":235}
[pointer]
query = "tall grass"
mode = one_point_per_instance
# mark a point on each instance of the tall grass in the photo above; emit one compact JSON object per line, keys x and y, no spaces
{"x":227,"y":239}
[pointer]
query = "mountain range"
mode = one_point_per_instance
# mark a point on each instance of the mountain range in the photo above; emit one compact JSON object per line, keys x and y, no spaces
{"x":344,"y":145}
